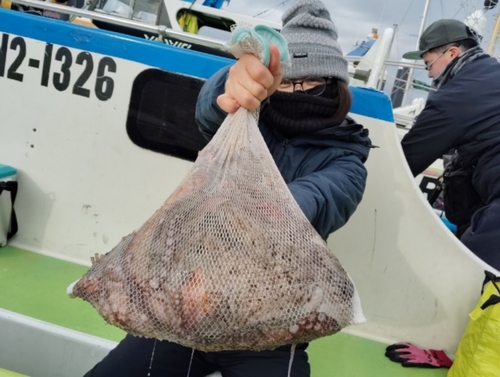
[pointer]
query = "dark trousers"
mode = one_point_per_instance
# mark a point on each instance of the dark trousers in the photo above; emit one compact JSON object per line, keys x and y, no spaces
{"x":140,"y":357}
{"x":482,"y":237}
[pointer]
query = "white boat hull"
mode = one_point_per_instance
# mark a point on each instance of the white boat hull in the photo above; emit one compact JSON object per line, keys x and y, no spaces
{"x":84,"y":184}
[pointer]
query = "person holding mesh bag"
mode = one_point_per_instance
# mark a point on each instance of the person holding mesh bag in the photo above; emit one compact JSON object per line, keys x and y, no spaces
{"x":319,"y":151}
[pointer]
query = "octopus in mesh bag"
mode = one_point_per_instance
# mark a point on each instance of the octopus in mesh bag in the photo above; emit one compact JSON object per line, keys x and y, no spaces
{"x":229,"y":262}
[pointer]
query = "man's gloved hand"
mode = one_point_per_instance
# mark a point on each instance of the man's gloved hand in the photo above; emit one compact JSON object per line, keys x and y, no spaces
{"x":411,"y":356}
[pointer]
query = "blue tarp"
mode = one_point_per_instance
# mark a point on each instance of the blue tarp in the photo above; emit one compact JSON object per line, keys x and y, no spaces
{"x":210,"y":3}
{"x":362,"y":49}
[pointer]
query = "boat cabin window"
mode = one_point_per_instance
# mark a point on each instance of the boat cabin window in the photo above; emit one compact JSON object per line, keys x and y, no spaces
{"x":161,"y":114}
{"x":139,"y":10}
{"x":146,"y":11}
{"x":163,"y":18}
{"x":115,"y":7}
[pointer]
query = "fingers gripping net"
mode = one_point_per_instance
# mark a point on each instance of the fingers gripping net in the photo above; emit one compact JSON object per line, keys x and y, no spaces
{"x":229,"y":262}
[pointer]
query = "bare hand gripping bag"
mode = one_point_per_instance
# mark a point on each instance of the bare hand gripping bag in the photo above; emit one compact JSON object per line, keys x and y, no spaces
{"x":229,"y":262}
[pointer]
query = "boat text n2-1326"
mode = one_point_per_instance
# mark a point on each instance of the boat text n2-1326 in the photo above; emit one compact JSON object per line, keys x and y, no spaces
{"x":59,"y":78}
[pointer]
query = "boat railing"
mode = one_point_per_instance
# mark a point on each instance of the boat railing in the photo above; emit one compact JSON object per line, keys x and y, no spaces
{"x":395,"y":63}
{"x":161,"y":31}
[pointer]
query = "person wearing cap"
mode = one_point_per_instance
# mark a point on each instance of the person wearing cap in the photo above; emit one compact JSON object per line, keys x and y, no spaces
{"x":319,"y":151}
{"x":461,"y":115}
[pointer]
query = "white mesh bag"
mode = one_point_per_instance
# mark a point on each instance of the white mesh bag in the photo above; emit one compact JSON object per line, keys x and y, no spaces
{"x":229,"y":262}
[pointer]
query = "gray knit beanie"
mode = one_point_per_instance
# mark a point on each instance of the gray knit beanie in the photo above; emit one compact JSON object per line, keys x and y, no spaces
{"x":312,"y":41}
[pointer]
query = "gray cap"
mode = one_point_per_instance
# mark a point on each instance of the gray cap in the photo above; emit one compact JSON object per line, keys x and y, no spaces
{"x":438,"y":34}
{"x":311,"y":36}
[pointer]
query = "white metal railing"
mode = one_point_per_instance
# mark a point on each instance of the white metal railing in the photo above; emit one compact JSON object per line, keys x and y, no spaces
{"x":160,"y":30}
{"x":389,"y":62}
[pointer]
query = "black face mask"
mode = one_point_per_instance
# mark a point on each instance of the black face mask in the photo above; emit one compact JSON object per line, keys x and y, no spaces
{"x":298,"y":113}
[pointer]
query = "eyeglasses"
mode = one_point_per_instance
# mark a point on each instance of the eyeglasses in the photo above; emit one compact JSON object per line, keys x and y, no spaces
{"x":310,"y":85}
{"x":428,"y":67}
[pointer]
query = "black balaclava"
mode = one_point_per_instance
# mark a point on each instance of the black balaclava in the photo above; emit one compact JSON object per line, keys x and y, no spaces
{"x":297,"y":113}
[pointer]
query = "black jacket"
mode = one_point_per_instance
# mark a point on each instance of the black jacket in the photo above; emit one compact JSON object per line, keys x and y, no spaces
{"x":464,"y":114}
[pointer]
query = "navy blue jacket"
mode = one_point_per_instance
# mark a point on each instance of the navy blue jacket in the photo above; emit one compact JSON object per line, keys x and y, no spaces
{"x":464,"y":114}
{"x":324,"y":170}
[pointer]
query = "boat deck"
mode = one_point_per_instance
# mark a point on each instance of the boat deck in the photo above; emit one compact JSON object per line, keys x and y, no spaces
{"x":35,"y":285}
{"x":8,"y":373}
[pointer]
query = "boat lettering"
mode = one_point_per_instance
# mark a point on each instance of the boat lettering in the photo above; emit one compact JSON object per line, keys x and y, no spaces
{"x":102,"y":87}
{"x":177,"y":43}
{"x":151,"y":37}
{"x":169,"y":42}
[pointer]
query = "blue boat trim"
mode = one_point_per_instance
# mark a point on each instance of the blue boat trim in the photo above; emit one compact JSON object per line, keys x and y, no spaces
{"x":368,"y":102}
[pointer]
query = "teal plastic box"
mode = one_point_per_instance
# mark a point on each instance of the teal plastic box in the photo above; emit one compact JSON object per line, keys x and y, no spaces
{"x":7,"y":173}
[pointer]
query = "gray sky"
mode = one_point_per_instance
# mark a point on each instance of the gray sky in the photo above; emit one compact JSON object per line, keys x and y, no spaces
{"x":355,"y":19}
